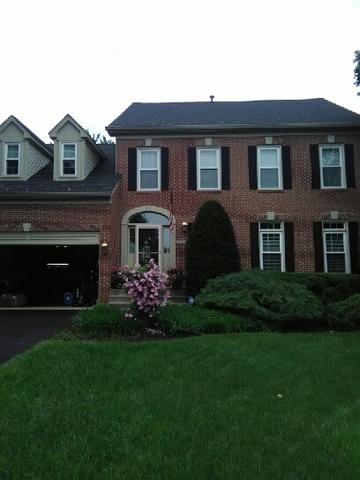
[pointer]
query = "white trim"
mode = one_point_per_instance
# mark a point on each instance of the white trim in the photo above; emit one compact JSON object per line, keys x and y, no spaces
{"x":50,"y":238}
{"x":6,"y":159}
{"x":342,"y":167}
{"x":138,"y":169}
{"x":62,"y":159}
{"x":218,"y":167}
{"x":345,"y":233}
{"x":280,"y":232}
{"x":279,"y":166}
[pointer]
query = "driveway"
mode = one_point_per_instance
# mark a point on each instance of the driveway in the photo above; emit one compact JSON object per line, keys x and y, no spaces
{"x":20,"y":330}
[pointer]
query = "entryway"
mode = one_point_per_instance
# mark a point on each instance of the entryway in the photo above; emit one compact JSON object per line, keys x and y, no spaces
{"x":146,"y":234}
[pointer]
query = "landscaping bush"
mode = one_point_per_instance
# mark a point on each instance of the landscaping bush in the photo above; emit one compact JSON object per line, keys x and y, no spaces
{"x":330,"y":287}
{"x":264,"y":296}
{"x":192,"y":320}
{"x":345,"y":315}
{"x":147,"y":289}
{"x":105,"y":321}
{"x":211,"y":247}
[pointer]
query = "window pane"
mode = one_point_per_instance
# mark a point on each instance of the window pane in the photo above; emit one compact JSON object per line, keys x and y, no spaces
{"x":272,"y":262}
{"x":132,"y":240}
{"x":332,"y":176}
{"x":148,"y":159}
{"x":269,"y":158}
{"x":208,"y":158}
{"x":166,"y":239}
{"x":334,"y":242}
{"x":269,"y":178}
{"x":149,"y":217}
{"x":271,"y":242}
{"x":330,"y":157}
{"x":335,"y":262}
{"x":12,"y":167}
{"x":12,"y":152}
{"x":69,"y":167}
{"x":208,"y":178}
{"x":69,"y":151}
{"x":149,"y":179}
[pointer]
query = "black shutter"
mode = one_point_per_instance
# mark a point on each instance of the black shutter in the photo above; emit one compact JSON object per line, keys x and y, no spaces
{"x":254,"y":245}
{"x":164,"y":168}
{"x":192,"y":169}
{"x":315,"y":166}
{"x":354,"y":246}
{"x":286,"y":167}
{"x":350,"y":166}
{"x":225,"y":168}
{"x":252,"y":167}
{"x":289,"y":247}
{"x":132,"y":169}
{"x":318,"y":246}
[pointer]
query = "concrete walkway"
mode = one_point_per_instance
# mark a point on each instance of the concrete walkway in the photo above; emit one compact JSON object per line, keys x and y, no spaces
{"x":20,"y":330}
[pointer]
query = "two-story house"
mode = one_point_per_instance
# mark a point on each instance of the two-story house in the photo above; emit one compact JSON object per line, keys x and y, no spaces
{"x":287,"y":172}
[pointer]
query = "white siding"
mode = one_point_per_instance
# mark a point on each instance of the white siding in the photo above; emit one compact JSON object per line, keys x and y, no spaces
{"x":90,"y":161}
{"x":34,"y":161}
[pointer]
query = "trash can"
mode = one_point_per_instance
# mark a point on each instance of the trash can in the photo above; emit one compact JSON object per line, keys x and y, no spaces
{"x":68,"y":298}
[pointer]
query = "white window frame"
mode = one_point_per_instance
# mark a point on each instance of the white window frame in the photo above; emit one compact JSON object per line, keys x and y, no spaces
{"x":279,"y":166}
{"x":279,"y":231}
{"x":6,"y":159}
{"x":65,"y":159}
{"x":139,"y":169}
{"x":342,"y":166}
{"x":345,"y":232}
{"x":198,"y":168}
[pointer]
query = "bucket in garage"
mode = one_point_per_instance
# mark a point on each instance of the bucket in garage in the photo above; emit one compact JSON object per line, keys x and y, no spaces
{"x":68,"y":298}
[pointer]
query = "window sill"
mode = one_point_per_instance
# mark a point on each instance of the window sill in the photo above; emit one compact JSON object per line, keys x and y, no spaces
{"x":262,"y":190}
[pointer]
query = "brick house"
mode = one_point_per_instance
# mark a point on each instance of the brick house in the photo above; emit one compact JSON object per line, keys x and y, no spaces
{"x":287,"y":173}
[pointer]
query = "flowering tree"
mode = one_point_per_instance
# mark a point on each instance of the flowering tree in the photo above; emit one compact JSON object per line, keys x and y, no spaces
{"x":146,"y":287}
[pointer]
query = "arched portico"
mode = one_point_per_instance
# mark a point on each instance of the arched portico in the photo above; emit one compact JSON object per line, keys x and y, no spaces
{"x":145,"y":234}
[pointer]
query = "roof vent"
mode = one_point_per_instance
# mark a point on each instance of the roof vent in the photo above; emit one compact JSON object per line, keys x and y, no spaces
{"x":212,"y":98}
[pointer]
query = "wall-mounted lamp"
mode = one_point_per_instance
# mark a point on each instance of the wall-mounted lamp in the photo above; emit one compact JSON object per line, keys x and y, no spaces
{"x":104,"y":246}
{"x":184,"y":227}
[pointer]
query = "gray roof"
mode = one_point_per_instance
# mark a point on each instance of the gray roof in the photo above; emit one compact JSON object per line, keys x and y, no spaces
{"x":190,"y":116}
{"x":100,"y":183}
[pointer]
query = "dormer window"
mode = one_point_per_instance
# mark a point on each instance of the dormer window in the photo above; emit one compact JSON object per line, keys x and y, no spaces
{"x":12,"y":158}
{"x":68,"y":158}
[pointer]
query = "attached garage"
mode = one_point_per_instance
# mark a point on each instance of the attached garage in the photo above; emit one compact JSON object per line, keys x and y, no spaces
{"x":49,"y":268}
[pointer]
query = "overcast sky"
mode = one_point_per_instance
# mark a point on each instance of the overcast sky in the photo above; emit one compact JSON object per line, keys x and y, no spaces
{"x":93,"y":58}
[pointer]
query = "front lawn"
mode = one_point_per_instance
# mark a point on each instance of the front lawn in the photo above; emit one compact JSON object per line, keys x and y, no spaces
{"x":248,"y":406}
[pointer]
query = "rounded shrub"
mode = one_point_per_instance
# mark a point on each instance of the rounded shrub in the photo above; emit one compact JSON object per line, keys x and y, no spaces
{"x":345,"y":315}
{"x":264,"y":296}
{"x":211,"y":248}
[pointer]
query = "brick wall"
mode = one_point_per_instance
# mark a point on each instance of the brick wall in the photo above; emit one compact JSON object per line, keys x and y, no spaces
{"x":301,"y":205}
{"x":66,"y":217}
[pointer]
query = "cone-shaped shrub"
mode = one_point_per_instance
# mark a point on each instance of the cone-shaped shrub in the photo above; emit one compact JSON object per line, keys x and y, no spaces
{"x":211,"y":247}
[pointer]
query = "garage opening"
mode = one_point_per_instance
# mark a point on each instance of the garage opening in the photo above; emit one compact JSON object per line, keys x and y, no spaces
{"x":48,"y":275}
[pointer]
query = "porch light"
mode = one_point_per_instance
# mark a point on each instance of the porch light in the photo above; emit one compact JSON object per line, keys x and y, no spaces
{"x":184,"y":227}
{"x":104,"y":246}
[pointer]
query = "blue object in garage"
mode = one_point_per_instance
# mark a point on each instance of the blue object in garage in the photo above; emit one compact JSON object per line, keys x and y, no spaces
{"x":68,"y":298}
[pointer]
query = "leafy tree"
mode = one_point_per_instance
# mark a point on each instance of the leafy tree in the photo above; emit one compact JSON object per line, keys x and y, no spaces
{"x":211,"y":248}
{"x":357,"y":68}
{"x":102,"y":139}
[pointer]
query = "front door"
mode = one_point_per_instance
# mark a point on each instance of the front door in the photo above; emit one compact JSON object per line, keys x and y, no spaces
{"x":148,"y":244}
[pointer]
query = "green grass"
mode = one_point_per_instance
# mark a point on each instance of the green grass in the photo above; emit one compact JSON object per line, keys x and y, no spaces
{"x":196,"y":408}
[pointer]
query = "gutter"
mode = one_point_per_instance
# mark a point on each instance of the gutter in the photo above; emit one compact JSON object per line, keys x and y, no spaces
{"x":229,"y":128}
{"x":54,"y":195}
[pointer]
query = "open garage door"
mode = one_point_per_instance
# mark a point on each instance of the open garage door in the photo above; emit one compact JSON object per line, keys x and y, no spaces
{"x":49,"y":269}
